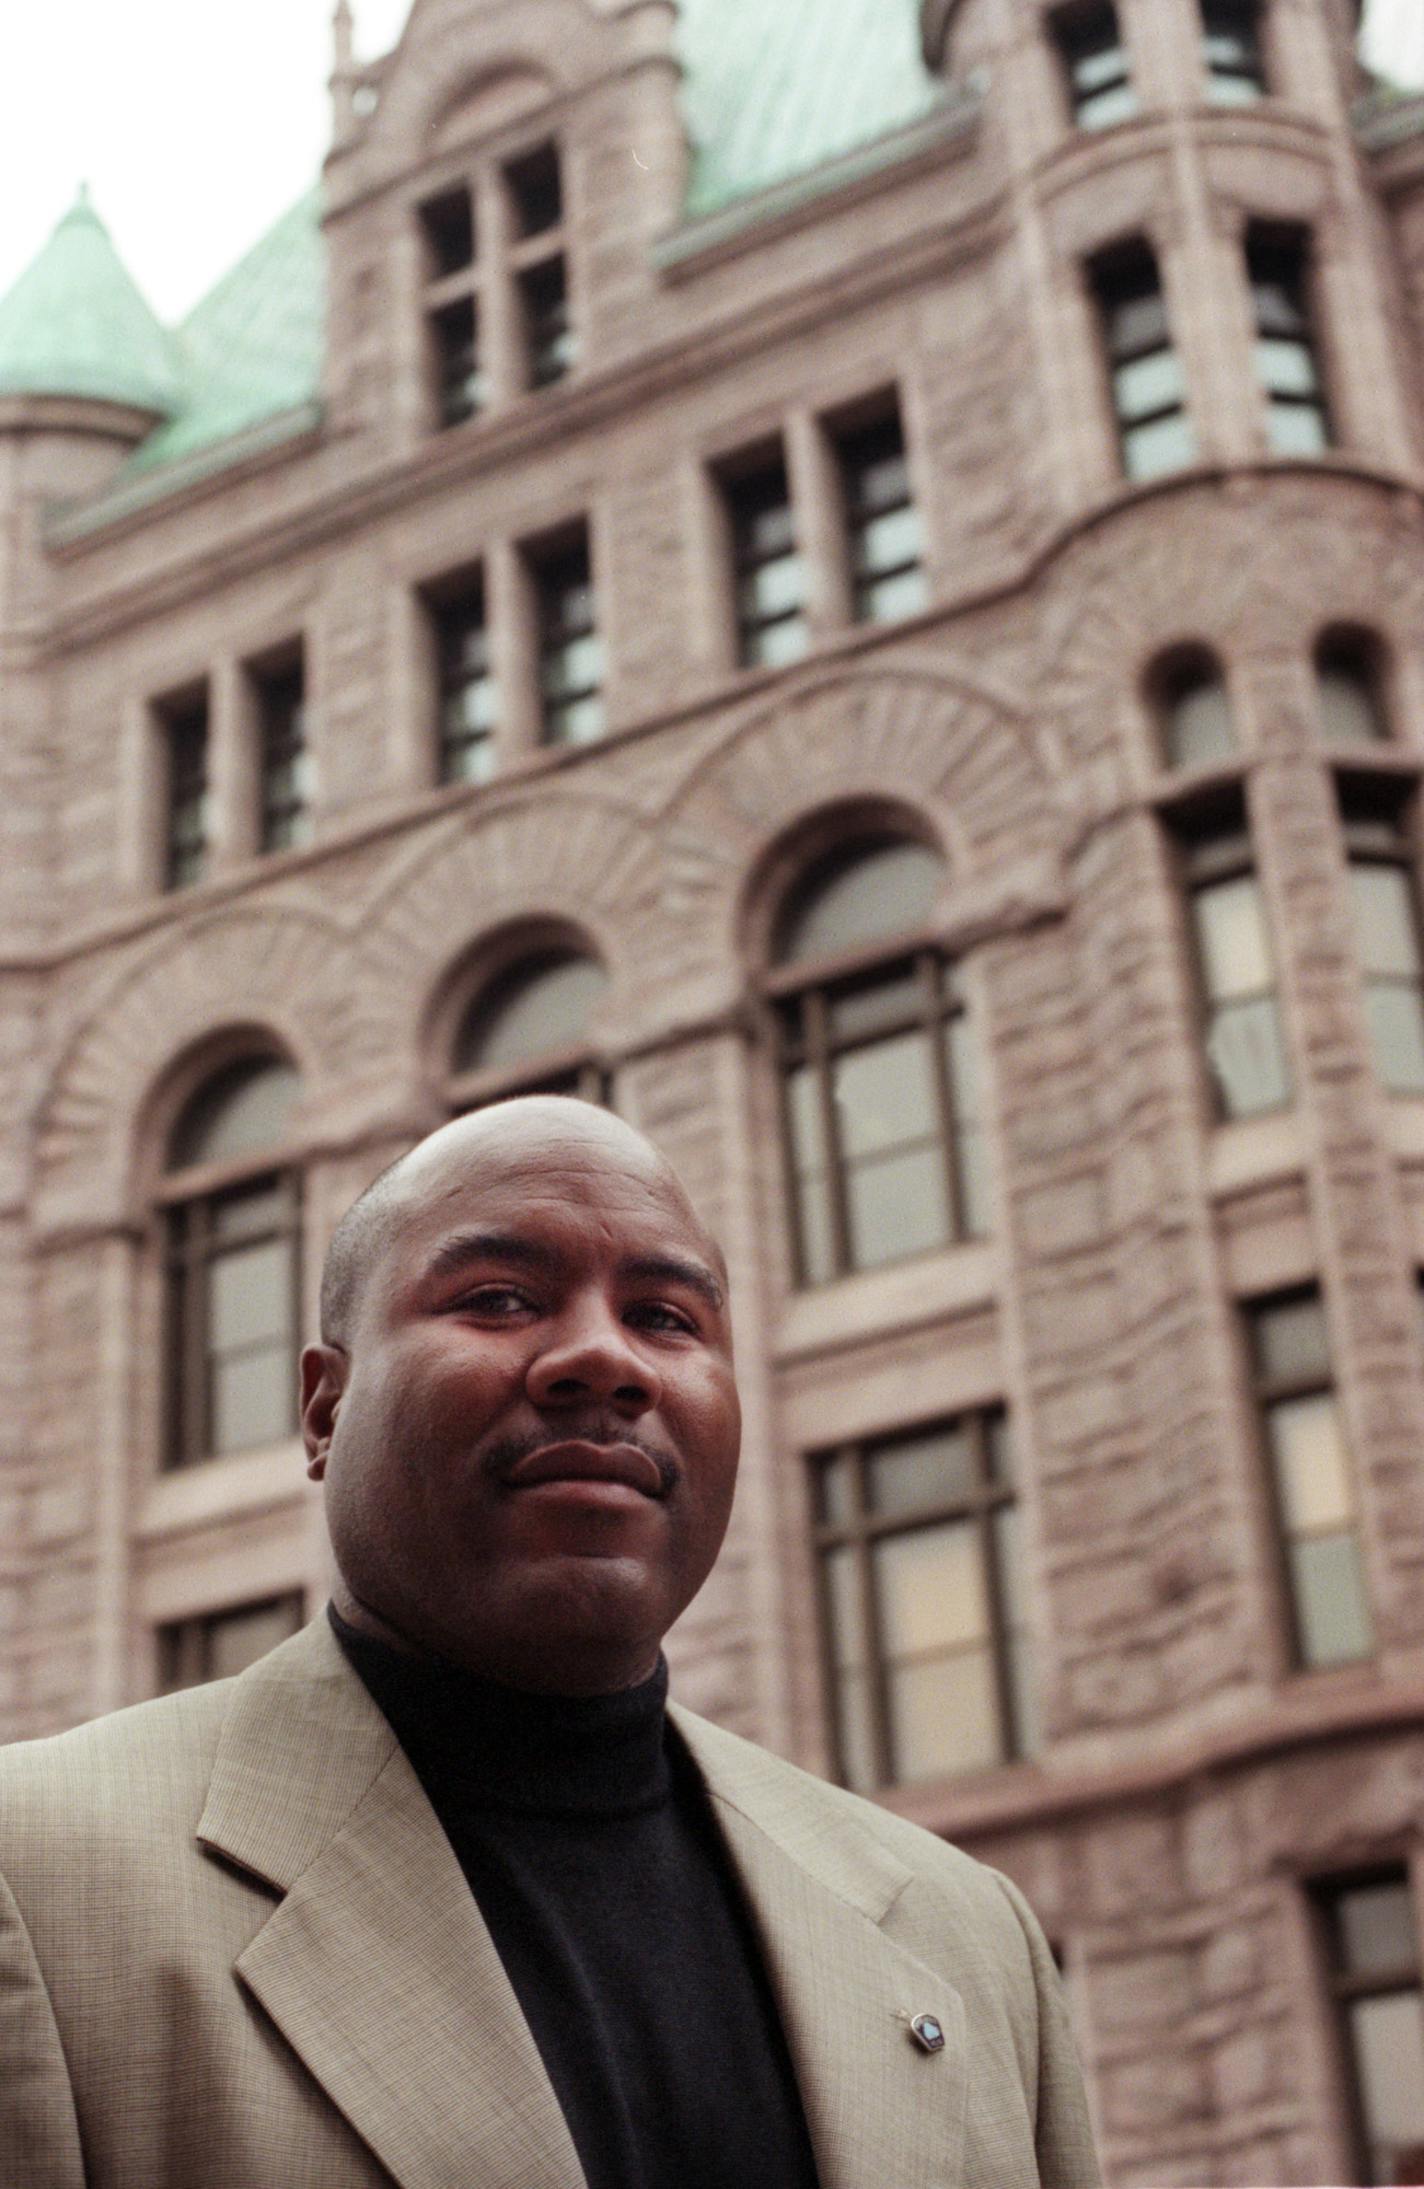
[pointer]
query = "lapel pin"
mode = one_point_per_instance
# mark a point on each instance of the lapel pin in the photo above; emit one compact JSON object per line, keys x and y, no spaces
{"x":927,"y":2032}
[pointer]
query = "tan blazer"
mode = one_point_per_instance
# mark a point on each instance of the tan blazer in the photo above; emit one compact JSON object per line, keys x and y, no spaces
{"x":236,"y":1952}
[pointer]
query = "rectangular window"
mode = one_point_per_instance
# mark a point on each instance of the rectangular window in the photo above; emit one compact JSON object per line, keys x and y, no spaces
{"x":187,"y":824}
{"x":461,"y":389}
{"x":1312,"y":1478}
{"x":217,"y":1644}
{"x":1095,"y":65}
{"x":536,"y":191}
{"x":448,"y":226}
{"x":1149,"y":389}
{"x":570,"y":650}
{"x":884,"y":1118}
{"x":1371,"y":1941}
{"x":467,"y":703}
{"x":1231,"y":48}
{"x":233,"y":1317}
{"x":768,"y":572}
{"x":882,"y":523}
{"x":283,"y":757}
{"x":1287,"y":366}
{"x":926,"y":1647}
{"x":548,"y":333}
{"x":1236,"y":971}
{"x":1384,"y":895}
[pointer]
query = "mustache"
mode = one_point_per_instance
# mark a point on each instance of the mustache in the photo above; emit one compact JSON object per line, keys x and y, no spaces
{"x":496,"y":1460}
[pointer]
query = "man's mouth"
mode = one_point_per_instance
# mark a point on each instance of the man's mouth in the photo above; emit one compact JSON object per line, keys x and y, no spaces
{"x":576,"y":1461}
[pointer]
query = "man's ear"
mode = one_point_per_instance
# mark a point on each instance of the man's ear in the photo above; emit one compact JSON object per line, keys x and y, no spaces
{"x":324,"y":1372}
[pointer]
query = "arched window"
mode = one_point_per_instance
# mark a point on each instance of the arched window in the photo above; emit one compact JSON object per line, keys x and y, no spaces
{"x":527,"y":1031}
{"x":1193,"y":709}
{"x":884,"y":1141}
{"x":231,"y":1211}
{"x":1349,"y":681}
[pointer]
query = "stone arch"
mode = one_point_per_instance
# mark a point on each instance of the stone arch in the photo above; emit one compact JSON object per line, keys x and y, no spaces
{"x":454,"y":51}
{"x":933,"y":741}
{"x":290,"y":973}
{"x":548,"y":856}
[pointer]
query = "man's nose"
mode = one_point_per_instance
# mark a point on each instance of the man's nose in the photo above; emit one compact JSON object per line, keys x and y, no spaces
{"x":590,"y":1357}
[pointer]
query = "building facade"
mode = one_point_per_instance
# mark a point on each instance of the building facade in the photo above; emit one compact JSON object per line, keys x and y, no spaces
{"x":852,"y":583}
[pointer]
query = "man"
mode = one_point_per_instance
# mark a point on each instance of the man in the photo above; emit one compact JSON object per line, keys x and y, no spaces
{"x":438,"y":1893}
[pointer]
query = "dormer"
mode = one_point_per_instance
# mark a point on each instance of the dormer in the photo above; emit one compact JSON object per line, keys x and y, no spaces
{"x":492,"y":195}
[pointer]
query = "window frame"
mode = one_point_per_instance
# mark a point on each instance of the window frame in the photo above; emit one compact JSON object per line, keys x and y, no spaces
{"x":1289,"y":250}
{"x":282,"y":741}
{"x":1383,"y":831}
{"x":741,"y":482}
{"x":184,"y":721}
{"x":547,"y":563}
{"x":183,"y":1647}
{"x":1256,"y":72}
{"x":881,"y":417}
{"x":443,"y":600}
{"x":1342,"y":1987}
{"x":583,"y":1069}
{"x":1124,"y":277}
{"x":990,"y":1494}
{"x":1210,"y":842}
{"x":1070,"y":28}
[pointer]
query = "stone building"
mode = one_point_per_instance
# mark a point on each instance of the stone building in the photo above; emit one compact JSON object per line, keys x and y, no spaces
{"x":852,"y":582}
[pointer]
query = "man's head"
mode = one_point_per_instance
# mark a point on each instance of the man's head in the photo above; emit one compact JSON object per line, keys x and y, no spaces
{"x":522,"y":1407}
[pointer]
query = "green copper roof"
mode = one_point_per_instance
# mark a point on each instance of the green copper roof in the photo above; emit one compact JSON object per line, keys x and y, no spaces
{"x":75,"y":324}
{"x":253,"y":346}
{"x":771,"y":90}
{"x":776,"y":87}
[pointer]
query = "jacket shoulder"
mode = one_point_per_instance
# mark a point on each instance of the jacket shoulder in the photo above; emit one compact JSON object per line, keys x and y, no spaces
{"x":138,"y":1764}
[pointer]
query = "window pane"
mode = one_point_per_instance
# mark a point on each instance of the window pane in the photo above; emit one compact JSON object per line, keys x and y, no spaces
{"x":253,"y":1399}
{"x":250,"y":1296}
{"x":1329,"y":1591}
{"x":536,"y":1007}
{"x":1291,"y":1340}
{"x":835,"y":1490}
{"x":252,"y":1210}
{"x":1247,"y":1054}
{"x":1165,"y":445}
{"x":886,"y":600}
{"x":236,"y":1639}
{"x":873,"y":1006}
{"x":1348,"y":712}
{"x":773,"y":645}
{"x":1377,"y":1930}
{"x":1149,"y":384}
{"x":1199,"y":726}
{"x":1396,"y":1021}
{"x":1117,"y":104}
{"x":885,"y":1095}
{"x":1388,"y":2037}
{"x":1231,"y":932}
{"x":930,"y":1589}
{"x":895,"y":1206}
{"x":873,"y":892}
{"x":848,"y":1638}
{"x":1312,"y":1468}
{"x":1296,"y":429}
{"x":1384,"y":919}
{"x":772,"y":588}
{"x":944,"y":1717}
{"x":244,"y":1110}
{"x":888,"y":542}
{"x":914,"y":1472}
{"x":809,"y":1156}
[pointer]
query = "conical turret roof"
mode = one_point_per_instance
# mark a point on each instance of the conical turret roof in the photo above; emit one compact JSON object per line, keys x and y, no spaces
{"x":75,"y":323}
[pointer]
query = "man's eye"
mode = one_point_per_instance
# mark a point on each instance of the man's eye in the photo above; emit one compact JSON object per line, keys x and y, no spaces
{"x":492,"y":1300}
{"x":658,"y":1315}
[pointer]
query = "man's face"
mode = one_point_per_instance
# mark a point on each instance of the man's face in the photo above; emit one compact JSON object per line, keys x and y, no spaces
{"x":530,"y":1441}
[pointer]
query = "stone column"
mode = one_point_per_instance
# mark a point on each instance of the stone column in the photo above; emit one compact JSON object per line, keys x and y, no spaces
{"x":818,"y":505}
{"x":514,"y":640}
{"x":234,"y":768}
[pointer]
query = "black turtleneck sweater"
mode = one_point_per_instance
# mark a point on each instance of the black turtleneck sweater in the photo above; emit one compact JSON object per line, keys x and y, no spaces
{"x":588,"y":1841}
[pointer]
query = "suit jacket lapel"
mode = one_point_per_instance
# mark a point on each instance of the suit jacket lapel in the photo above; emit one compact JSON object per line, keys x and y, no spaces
{"x":375,"y":1964}
{"x":878,"y":2106}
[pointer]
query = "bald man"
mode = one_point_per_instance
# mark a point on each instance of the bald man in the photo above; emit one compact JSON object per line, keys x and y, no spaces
{"x":443,"y":1892}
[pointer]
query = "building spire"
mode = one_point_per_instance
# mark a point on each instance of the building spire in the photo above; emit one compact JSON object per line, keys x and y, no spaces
{"x":343,"y":72}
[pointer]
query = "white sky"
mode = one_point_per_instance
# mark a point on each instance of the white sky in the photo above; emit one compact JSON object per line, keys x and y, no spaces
{"x":196,"y":123}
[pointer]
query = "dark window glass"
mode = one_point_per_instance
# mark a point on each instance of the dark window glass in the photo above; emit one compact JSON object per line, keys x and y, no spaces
{"x":1195,"y":711}
{"x":232,"y":1258}
{"x":1348,"y":691}
{"x":448,"y":226}
{"x":1231,"y":48}
{"x":217,"y":1644}
{"x":1149,"y":388}
{"x":548,"y":332}
{"x":1242,"y":1031}
{"x":461,"y":385}
{"x":284,"y":761}
{"x":1384,"y":895}
{"x":570,"y":650}
{"x":1312,"y":1478}
{"x":1095,"y":62}
{"x":879,"y":1062}
{"x":1287,"y":367}
{"x":530,"y":1025}
{"x":768,"y":572}
{"x":926,"y":1648}
{"x":1371,"y":1939}
{"x":185,"y":731}
{"x":882,"y":522}
{"x":536,"y":191}
{"x":467,"y":695}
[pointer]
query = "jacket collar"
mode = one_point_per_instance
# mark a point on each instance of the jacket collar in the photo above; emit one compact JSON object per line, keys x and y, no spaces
{"x":378,"y":1969}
